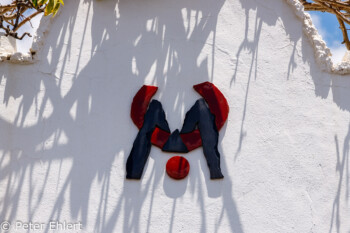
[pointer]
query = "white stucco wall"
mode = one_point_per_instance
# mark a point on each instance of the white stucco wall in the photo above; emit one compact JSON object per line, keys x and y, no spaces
{"x":66,"y":132}
{"x":7,"y":45}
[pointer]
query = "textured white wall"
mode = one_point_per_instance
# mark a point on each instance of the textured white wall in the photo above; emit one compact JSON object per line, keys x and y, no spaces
{"x":65,"y":129}
{"x":7,"y":45}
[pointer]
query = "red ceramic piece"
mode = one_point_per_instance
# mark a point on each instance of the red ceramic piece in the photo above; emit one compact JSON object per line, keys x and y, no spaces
{"x":218,"y":106}
{"x":192,"y":140}
{"x":159,"y":137}
{"x":217,"y":102}
{"x":140,"y":104}
{"x":177,"y":167}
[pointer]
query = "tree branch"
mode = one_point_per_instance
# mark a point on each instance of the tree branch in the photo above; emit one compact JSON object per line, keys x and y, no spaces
{"x":340,"y":8}
{"x":14,"y":15}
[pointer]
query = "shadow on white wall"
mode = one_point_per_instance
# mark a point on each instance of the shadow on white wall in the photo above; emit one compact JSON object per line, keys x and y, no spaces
{"x":323,"y":82}
{"x":80,"y":92}
{"x":131,"y":41}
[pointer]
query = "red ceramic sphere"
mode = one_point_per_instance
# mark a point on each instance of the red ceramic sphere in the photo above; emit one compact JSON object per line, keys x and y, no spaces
{"x":177,"y":167}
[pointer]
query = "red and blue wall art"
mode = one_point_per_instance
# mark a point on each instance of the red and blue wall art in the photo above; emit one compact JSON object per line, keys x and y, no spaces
{"x":201,"y":128}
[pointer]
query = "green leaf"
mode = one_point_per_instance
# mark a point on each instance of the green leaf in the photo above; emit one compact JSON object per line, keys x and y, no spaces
{"x":49,"y":7}
{"x":55,"y":9}
{"x":61,"y":1}
{"x":35,"y":3}
{"x":54,"y":5}
{"x":42,"y":2}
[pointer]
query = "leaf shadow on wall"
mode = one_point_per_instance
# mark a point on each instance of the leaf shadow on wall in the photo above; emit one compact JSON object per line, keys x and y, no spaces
{"x":324,"y":84}
{"x":338,"y":86}
{"x":267,"y":14}
{"x":89,"y":70}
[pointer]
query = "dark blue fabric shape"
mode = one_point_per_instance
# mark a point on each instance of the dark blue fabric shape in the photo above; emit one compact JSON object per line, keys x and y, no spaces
{"x":141,"y":148}
{"x":175,"y":143}
{"x":200,"y":116}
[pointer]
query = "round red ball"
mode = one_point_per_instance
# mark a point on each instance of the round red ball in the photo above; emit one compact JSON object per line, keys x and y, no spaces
{"x":177,"y":167}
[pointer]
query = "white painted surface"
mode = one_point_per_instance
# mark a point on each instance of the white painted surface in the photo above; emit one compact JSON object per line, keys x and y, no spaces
{"x":7,"y":45}
{"x":66,"y":131}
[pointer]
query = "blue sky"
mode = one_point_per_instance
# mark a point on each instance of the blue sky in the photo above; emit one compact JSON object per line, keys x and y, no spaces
{"x":328,"y":27}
